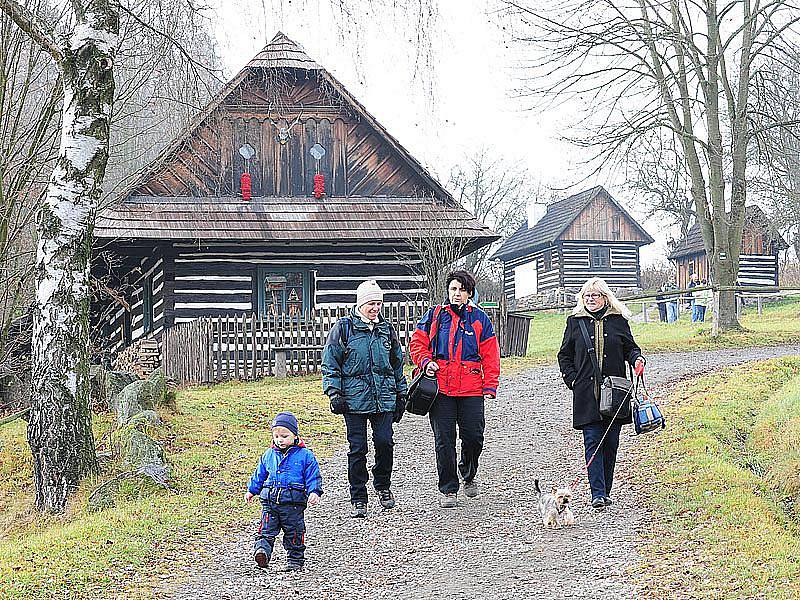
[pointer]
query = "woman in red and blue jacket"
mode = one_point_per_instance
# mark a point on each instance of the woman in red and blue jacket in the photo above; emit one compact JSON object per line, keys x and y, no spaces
{"x":456,"y":341}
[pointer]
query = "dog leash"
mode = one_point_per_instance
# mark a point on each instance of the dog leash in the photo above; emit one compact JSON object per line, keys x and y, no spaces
{"x":632,"y":392}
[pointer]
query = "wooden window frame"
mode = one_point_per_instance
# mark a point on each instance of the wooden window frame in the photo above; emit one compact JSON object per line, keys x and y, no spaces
{"x":127,"y":328}
{"x":261,"y":275}
{"x":593,"y":263}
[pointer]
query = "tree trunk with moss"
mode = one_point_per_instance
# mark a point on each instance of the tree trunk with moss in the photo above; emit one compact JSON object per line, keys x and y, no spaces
{"x":59,"y":429}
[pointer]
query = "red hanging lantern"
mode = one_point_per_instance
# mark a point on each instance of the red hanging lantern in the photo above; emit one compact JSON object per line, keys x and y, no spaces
{"x":246,"y":186}
{"x":319,"y":186}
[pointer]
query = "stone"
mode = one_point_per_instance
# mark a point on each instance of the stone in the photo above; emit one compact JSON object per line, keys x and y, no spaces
{"x":134,"y":398}
{"x":141,"y":450}
{"x":98,"y":392}
{"x":159,"y":386}
{"x":139,"y":482}
{"x":115,"y":382}
{"x":144,"y":418}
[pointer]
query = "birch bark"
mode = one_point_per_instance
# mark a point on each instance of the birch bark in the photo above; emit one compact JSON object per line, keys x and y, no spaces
{"x":59,"y":430}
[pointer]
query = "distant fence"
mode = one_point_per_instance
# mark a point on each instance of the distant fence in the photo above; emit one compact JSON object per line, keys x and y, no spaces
{"x":250,"y":347}
{"x":757,"y":293}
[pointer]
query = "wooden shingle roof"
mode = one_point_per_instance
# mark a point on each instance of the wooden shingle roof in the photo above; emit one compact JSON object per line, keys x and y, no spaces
{"x":287,"y":219}
{"x":754,"y":218}
{"x":136,"y":216}
{"x":556,"y":220}
{"x":282,"y":52}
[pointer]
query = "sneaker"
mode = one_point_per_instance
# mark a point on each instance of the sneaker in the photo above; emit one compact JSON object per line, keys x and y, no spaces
{"x":359,"y":510}
{"x":608,"y":501}
{"x":292,"y":566}
{"x":448,"y":500}
{"x":262,"y":560}
{"x":470,"y":489}
{"x":599,"y":504}
{"x":386,"y":498}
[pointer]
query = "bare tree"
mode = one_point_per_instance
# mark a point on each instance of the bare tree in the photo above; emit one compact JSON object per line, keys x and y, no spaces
{"x":437,"y":240}
{"x":167,"y":71}
{"x":667,"y":65}
{"x":659,"y":179}
{"x":777,"y":155}
{"x":496,"y":191}
{"x":82,"y":47}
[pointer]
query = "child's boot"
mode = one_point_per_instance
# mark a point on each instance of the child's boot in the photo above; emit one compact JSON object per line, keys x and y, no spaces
{"x":262,"y":558}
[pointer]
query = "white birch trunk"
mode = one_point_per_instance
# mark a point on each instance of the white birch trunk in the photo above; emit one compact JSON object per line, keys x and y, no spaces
{"x":59,"y":430}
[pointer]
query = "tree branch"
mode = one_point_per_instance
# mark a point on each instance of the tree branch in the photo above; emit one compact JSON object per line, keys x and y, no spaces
{"x":29,"y":23}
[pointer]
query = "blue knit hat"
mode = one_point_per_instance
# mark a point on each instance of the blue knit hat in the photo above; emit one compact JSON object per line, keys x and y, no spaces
{"x":288,"y":420}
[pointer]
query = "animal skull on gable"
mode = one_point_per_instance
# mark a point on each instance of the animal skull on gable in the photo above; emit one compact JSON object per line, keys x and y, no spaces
{"x":284,"y":128}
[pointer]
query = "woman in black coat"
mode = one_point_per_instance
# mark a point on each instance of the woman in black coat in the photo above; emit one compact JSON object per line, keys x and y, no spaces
{"x":606,"y":320}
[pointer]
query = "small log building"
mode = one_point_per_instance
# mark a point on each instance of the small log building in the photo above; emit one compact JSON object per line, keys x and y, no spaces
{"x":585,"y":235}
{"x":758,"y":261}
{"x":185,"y":242}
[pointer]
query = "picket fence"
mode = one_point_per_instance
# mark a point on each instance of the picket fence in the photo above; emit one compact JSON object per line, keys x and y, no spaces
{"x":250,"y":347}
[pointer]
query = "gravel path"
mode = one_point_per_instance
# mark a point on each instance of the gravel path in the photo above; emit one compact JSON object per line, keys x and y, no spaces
{"x":490,"y":546}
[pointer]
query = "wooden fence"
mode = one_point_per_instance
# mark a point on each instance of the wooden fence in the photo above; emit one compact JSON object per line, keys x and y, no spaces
{"x":249,"y":347}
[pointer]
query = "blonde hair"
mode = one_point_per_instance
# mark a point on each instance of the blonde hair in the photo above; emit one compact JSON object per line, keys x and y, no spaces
{"x":599,"y":285}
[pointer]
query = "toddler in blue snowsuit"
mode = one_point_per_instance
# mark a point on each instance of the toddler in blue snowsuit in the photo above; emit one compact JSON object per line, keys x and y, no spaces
{"x":287,"y":479}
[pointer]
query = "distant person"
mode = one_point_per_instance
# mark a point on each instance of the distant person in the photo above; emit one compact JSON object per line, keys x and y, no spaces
{"x":287,"y":479}
{"x":701,"y":300}
{"x":362,"y":374}
{"x":456,"y":342}
{"x":694,"y":281}
{"x":672,"y":301}
{"x":661,"y":302}
{"x":605,"y":320}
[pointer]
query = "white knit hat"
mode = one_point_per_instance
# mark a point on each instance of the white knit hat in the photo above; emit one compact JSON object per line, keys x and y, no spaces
{"x":368,"y":291}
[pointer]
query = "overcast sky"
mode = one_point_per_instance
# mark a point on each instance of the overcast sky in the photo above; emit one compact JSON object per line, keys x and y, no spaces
{"x":467,"y":98}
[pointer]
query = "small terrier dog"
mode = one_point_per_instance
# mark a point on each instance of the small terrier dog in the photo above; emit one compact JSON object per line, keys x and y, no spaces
{"x":554,"y":507}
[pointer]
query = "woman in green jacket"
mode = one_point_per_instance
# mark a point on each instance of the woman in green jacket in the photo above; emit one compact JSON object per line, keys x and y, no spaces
{"x":362,"y":374}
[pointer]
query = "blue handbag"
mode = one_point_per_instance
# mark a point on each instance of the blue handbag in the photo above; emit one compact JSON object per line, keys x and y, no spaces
{"x":647,"y":416}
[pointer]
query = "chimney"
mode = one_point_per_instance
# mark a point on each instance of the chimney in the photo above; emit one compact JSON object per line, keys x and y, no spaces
{"x":536,"y":211}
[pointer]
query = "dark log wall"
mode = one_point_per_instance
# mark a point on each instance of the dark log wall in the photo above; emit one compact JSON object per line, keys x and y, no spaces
{"x":224,"y":280}
{"x":136,"y":271}
{"x":548,"y":279}
{"x":754,"y":269}
{"x":622,"y":272}
{"x":570,"y":266}
{"x":358,"y":160}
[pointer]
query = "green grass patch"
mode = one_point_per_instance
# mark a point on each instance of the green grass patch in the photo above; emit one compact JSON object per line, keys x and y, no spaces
{"x":213,"y":441}
{"x":724,"y":528}
{"x":779,"y":324}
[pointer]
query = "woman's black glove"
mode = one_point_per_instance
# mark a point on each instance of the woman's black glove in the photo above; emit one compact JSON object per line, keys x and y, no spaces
{"x":338,"y":404}
{"x":399,"y":408}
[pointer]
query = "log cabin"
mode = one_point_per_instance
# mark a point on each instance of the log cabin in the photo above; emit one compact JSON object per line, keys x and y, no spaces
{"x":280,"y":197}
{"x":758,"y":260}
{"x":561,"y":245}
